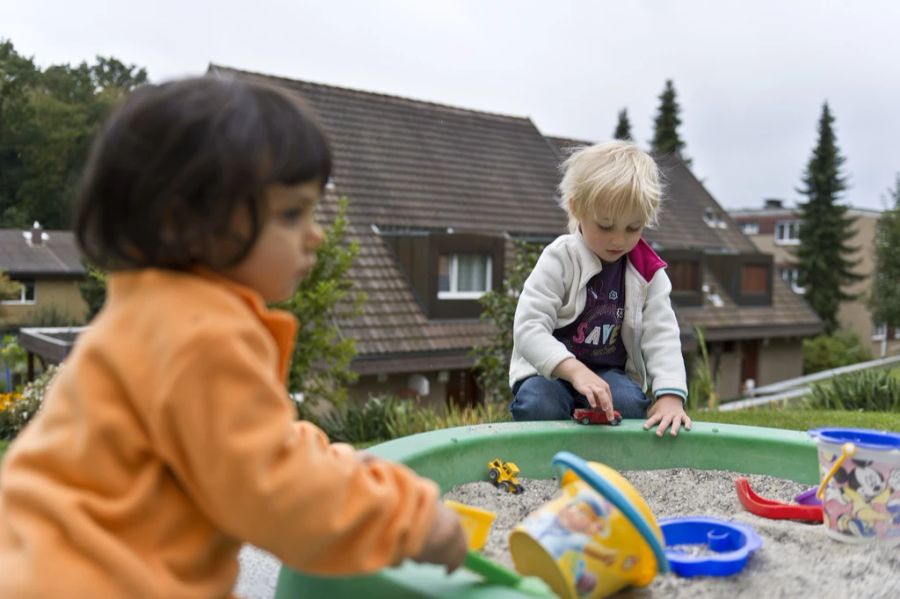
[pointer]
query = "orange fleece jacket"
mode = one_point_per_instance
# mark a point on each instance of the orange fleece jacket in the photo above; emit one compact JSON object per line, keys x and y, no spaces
{"x":168,"y":439}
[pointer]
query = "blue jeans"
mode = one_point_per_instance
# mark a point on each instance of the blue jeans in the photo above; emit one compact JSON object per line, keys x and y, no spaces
{"x":538,"y":398}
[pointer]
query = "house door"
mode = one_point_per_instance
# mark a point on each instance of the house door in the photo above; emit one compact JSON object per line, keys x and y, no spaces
{"x":462,"y":389}
{"x":749,"y":361}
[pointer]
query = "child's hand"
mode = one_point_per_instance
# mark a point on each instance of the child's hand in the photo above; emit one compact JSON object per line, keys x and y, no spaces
{"x":668,"y":410}
{"x":586,"y":382}
{"x":446,"y":541}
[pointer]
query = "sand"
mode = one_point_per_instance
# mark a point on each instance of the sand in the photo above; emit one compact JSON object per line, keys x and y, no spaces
{"x":796,"y":560}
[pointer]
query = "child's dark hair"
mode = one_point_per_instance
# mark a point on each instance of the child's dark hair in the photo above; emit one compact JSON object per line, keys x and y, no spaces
{"x":177,"y":161}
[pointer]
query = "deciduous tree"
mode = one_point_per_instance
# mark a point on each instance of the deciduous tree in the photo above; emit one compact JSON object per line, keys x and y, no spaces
{"x":47,"y":121}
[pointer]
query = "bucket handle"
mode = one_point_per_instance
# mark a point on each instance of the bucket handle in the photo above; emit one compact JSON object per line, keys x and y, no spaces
{"x":580,"y":467}
{"x":848,"y":450}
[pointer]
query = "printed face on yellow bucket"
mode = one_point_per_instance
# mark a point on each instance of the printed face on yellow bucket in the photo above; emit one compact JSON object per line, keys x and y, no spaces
{"x":580,"y":516}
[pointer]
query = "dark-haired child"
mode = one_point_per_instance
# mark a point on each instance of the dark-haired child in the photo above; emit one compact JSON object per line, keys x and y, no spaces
{"x":168,"y":438}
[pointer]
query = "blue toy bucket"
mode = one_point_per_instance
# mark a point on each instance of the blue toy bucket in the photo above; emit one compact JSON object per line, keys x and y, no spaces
{"x":860,"y":484}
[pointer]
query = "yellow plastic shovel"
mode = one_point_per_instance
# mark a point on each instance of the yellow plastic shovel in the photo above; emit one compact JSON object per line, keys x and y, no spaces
{"x":477,"y":523}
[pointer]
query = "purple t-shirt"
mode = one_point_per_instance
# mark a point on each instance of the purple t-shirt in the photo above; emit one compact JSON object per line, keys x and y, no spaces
{"x":595,"y":336}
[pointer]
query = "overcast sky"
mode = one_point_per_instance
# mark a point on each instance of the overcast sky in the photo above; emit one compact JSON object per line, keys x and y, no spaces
{"x":751,"y":77}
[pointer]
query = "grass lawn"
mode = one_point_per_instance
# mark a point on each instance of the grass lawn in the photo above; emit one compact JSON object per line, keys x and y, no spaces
{"x":803,"y":419}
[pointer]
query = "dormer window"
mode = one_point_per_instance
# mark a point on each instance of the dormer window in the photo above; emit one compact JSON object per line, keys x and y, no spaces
{"x":745,"y":278}
{"x":787,"y":232}
{"x":750,"y":228}
{"x":448,"y":272}
{"x":754,"y":279}
{"x":464,"y":276}
{"x":713,"y":219}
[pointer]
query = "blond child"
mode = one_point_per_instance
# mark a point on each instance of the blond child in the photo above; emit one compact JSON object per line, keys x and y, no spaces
{"x":594,"y":325}
{"x":168,"y":439}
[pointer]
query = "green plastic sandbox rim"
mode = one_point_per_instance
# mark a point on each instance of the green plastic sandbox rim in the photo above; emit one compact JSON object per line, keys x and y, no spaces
{"x":460,"y":455}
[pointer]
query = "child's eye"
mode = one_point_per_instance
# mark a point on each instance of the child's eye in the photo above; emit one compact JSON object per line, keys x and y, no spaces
{"x":604,"y":227}
{"x":291,"y":215}
{"x":633,"y":229}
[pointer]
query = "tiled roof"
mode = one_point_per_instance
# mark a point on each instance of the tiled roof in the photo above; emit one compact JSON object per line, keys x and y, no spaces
{"x":409,"y":164}
{"x":56,"y":256}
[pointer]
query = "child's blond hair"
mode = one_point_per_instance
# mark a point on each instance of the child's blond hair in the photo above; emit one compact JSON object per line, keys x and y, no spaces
{"x":616,"y":175}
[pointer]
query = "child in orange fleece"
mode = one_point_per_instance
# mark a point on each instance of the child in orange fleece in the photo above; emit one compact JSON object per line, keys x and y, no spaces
{"x":168,"y":438}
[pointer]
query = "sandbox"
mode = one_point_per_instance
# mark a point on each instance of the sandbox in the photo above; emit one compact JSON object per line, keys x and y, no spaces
{"x":456,"y":456}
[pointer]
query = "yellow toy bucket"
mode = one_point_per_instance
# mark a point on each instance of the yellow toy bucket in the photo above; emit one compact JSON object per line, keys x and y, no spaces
{"x":597,"y":538}
{"x":476,"y":522}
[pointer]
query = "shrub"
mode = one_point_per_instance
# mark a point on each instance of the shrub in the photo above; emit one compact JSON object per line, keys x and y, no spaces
{"x":499,"y":307}
{"x":320,"y":368}
{"x":14,"y":358}
{"x":93,"y":290}
{"x":702,"y":386}
{"x":358,"y":422}
{"x":53,"y":315}
{"x":21,"y":408}
{"x":7,"y":399}
{"x":409,"y":419}
{"x":869,"y":390}
{"x":832,"y":351}
{"x":384,"y":418}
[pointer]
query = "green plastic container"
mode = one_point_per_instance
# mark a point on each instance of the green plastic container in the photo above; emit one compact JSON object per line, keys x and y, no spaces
{"x":460,"y":455}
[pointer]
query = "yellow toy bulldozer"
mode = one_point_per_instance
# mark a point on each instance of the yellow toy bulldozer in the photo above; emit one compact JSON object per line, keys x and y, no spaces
{"x":503,"y":475}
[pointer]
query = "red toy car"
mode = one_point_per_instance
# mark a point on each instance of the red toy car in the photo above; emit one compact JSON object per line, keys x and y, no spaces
{"x":595,"y":416}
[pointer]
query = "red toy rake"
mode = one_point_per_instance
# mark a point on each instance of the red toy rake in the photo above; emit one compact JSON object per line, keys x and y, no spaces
{"x":774,"y":510}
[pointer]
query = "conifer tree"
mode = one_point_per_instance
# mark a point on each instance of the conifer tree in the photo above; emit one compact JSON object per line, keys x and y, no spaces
{"x":886,"y":274}
{"x":824,"y":254}
{"x":665,"y":127}
{"x":623,"y":127}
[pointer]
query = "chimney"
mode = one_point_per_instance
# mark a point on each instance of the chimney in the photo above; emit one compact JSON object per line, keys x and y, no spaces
{"x":36,"y":236}
{"x":773,"y":204}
